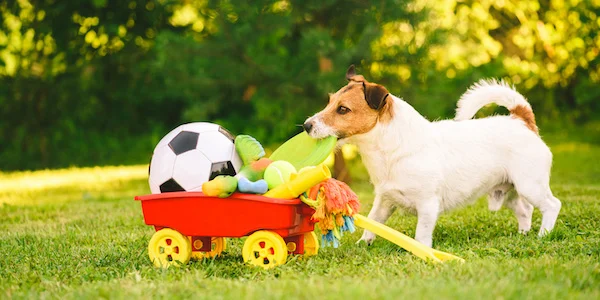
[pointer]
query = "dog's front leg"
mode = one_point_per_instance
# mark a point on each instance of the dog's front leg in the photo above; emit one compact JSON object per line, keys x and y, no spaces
{"x":380,"y":212}
{"x":427,"y":213}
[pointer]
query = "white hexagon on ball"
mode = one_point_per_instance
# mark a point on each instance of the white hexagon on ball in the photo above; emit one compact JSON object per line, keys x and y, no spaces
{"x":191,"y":170}
{"x":161,"y":167}
{"x":215,"y":146}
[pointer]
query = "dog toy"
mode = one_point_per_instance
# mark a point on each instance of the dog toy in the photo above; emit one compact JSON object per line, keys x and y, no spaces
{"x":249,"y":149}
{"x":255,"y":170}
{"x":257,"y":187}
{"x":278,"y":172}
{"x":221,"y":186}
{"x":302,"y":150}
{"x":300,"y":182}
{"x":335,"y":204}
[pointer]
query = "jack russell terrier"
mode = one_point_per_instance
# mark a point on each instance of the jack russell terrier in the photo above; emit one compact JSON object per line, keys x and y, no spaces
{"x":427,"y":168}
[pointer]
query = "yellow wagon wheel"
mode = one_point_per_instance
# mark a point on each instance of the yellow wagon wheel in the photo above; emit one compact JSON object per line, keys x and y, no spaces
{"x":168,"y":247}
{"x":311,"y":244}
{"x":218,"y":245}
{"x":265,"y":249}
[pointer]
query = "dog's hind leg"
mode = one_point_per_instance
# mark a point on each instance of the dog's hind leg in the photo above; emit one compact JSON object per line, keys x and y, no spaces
{"x":541,"y":197}
{"x":380,"y":212}
{"x":530,"y":175}
{"x":522,"y":209}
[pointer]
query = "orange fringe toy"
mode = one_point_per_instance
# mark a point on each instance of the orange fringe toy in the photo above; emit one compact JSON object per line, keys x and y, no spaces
{"x":334,"y":203}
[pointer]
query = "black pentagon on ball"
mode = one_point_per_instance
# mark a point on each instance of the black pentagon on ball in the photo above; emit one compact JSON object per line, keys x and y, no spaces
{"x":171,"y":186}
{"x":221,"y":168}
{"x":227,"y":134}
{"x":184,"y":142}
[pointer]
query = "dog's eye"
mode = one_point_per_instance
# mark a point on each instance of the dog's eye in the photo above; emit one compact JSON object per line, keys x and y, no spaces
{"x":342,"y":110}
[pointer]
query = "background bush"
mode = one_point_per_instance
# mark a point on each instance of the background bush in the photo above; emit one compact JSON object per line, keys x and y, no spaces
{"x":100,"y":82}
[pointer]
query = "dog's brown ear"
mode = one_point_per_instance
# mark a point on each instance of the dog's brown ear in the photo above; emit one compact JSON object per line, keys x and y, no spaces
{"x":350,"y":73}
{"x":376,"y":95}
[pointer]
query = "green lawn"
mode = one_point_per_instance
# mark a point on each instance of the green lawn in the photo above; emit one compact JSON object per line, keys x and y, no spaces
{"x":78,"y":233}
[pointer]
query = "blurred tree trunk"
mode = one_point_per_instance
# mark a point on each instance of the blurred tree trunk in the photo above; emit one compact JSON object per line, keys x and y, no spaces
{"x":340,"y":170}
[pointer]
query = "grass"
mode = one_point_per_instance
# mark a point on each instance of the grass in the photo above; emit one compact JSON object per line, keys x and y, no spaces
{"x":77,"y":233}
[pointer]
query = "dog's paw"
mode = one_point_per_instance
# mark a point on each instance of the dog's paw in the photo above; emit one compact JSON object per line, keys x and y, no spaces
{"x":523,"y":231}
{"x":543,"y":232}
{"x":367,"y":237}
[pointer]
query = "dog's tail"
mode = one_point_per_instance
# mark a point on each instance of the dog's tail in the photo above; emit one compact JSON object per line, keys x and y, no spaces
{"x":485,"y":92}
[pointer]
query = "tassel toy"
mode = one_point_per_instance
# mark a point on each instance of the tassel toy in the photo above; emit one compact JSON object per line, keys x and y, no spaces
{"x":335,"y":204}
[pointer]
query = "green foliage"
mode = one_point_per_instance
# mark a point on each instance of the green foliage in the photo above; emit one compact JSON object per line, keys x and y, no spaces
{"x":125,"y":73}
{"x":83,"y":236}
{"x":73,"y":98}
{"x":268,"y":65}
{"x":96,"y":82}
{"x":548,"y":49}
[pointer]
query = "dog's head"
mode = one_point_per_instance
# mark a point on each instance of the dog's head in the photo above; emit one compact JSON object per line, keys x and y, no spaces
{"x":354,"y":109}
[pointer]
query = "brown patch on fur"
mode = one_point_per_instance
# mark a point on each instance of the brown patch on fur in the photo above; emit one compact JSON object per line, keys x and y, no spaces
{"x":362,"y":117}
{"x":526,"y":114}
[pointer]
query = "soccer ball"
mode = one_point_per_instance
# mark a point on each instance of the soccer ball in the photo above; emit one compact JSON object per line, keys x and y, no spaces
{"x":190,"y":155}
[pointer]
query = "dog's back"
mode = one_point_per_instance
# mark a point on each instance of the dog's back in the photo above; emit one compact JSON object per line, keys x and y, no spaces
{"x":478,"y":155}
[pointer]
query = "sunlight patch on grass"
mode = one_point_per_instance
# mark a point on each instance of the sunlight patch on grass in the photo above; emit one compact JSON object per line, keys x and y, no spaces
{"x":31,"y":187}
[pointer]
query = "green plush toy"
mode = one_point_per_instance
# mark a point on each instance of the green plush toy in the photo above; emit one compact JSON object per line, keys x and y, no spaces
{"x":249,"y":149}
{"x":252,"y":154}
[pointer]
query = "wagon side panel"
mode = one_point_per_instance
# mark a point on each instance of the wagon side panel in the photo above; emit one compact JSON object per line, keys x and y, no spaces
{"x":230,"y":217}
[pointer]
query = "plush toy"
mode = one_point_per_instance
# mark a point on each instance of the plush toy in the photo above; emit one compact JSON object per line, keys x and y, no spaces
{"x":250,"y":176}
{"x":257,"y":187}
{"x":249,"y":149}
{"x":279,"y":172}
{"x":222,"y":186}
{"x":255,"y":170}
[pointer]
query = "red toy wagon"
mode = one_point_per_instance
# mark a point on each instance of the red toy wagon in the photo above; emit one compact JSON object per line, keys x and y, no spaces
{"x":191,"y":224}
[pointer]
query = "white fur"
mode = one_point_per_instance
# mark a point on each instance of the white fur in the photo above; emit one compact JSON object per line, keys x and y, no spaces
{"x":431,"y":167}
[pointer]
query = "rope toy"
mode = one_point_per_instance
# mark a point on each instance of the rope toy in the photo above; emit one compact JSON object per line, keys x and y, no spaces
{"x":335,"y":204}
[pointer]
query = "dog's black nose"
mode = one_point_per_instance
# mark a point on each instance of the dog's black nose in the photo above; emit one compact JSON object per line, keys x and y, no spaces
{"x":307,"y":126}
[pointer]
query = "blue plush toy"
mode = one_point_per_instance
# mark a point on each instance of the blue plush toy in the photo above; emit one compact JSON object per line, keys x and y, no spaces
{"x":256,"y":187}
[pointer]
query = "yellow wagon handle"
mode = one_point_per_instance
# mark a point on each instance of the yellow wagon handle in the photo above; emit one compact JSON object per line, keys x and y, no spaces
{"x":404,"y":241}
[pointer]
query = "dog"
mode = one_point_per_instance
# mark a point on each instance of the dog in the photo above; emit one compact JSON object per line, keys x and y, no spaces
{"x":427,"y":168}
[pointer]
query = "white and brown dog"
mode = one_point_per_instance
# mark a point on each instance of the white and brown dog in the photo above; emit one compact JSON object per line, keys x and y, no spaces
{"x":428,"y":167}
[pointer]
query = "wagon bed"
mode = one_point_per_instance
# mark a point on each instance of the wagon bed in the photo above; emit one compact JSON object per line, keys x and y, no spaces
{"x":205,"y":221}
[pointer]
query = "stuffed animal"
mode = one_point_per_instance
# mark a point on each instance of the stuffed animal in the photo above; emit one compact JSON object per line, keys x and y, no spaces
{"x":256,"y":187}
{"x":250,"y":177}
{"x":222,"y":186}
{"x":249,"y":149}
{"x":255,"y":170}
